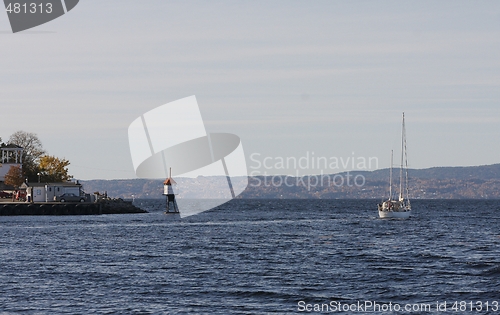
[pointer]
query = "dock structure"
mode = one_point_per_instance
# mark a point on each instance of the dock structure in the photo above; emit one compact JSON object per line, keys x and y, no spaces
{"x":168,"y":191}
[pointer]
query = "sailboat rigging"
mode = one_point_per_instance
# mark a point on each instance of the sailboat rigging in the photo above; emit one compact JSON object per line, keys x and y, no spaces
{"x":400,"y":208}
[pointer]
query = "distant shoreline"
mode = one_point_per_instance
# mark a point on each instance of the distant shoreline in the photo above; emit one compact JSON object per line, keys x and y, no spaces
{"x":473,"y":182}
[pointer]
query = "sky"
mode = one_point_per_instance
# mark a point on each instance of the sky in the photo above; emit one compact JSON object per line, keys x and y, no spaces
{"x":293,"y":79}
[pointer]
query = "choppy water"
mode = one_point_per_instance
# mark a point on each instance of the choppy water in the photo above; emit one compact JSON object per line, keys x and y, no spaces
{"x":251,"y":257}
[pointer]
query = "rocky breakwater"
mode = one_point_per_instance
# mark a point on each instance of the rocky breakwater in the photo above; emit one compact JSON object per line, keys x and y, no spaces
{"x":118,"y":206}
{"x":105,"y":206}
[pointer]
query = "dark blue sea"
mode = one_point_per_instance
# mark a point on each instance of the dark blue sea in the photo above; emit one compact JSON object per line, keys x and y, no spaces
{"x":256,"y":257}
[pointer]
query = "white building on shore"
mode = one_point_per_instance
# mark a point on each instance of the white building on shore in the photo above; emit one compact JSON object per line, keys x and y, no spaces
{"x":45,"y":192}
{"x":10,"y":155}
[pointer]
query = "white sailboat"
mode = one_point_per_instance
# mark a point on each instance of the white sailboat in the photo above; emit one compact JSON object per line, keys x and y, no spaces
{"x":400,"y":207}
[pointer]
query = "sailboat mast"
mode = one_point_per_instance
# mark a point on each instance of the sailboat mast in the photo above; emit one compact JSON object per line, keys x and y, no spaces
{"x":401,"y":165}
{"x":390,"y":176}
{"x":406,"y":163}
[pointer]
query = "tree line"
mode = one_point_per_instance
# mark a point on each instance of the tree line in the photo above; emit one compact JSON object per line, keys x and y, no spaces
{"x":37,"y":164}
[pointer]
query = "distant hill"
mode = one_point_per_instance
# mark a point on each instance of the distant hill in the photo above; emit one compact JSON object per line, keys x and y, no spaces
{"x":484,"y":172}
{"x":473,"y":182}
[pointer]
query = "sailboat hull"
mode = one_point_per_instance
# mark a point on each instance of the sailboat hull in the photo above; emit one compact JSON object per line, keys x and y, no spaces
{"x":394,"y":214}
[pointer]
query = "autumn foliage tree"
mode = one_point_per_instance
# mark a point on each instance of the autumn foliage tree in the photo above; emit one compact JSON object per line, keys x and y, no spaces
{"x":53,"y":169}
{"x":32,"y":151}
{"x":36,"y":164}
{"x":14,"y":177}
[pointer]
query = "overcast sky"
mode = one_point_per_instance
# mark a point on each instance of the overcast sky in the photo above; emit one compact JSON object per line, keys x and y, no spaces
{"x":291,"y":78}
